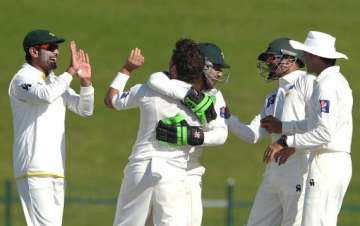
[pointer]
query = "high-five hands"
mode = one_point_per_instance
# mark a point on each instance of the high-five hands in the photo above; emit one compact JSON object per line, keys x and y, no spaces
{"x":134,"y":61}
{"x":80,"y":65}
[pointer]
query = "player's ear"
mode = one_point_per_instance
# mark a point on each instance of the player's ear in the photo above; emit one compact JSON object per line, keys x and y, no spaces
{"x":34,"y":52}
{"x":173,"y":72}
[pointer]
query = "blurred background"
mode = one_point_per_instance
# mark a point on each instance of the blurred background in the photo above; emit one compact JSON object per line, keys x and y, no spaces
{"x":97,"y":148}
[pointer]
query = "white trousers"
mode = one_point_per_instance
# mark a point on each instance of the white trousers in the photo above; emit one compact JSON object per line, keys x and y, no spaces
{"x":42,"y":200}
{"x":152,"y":190}
{"x":279,"y":200}
{"x":193,"y":183}
{"x":329,"y":177}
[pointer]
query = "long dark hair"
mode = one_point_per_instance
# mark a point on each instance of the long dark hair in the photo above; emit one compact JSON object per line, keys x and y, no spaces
{"x":188,"y":60}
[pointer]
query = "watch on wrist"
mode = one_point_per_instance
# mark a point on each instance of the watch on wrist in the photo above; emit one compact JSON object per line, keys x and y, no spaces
{"x":282,"y":141}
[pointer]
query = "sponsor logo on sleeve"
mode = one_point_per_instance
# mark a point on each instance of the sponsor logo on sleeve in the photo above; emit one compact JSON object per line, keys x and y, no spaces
{"x":271,"y":100}
{"x":124,"y":95}
{"x":324,"y":106}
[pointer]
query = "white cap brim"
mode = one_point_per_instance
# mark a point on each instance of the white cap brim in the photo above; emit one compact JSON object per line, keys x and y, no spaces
{"x":332,"y":55}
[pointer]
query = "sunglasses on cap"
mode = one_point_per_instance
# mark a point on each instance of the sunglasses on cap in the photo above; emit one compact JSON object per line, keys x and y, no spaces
{"x":48,"y":46}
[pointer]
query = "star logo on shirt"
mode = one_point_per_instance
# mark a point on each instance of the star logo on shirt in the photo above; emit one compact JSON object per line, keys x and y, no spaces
{"x":197,"y":135}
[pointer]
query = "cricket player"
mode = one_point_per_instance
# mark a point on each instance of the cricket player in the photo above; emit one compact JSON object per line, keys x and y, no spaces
{"x":328,"y":135}
{"x":216,"y":130}
{"x":279,"y":199}
{"x":39,"y":100}
{"x":153,"y":188}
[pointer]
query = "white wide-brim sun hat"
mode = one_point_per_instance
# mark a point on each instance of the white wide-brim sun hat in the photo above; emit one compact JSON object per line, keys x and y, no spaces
{"x":319,"y":44}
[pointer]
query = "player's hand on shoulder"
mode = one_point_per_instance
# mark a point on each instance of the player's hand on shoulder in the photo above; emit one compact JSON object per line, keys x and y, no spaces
{"x":175,"y":130}
{"x":201,"y":104}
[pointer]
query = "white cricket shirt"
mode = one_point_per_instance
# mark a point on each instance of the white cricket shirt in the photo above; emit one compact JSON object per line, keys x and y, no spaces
{"x":215,"y":132}
{"x":329,"y":115}
{"x":287,"y":103}
{"x":38,"y":105}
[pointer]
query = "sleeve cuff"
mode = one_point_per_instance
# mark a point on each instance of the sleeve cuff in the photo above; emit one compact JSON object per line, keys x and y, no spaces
{"x":290,"y":141}
{"x":86,"y":90}
{"x":66,"y":77}
{"x":119,"y":81}
{"x":286,"y":128}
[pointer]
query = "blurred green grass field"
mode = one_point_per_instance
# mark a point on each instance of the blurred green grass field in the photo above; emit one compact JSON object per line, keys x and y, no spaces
{"x":97,"y":148}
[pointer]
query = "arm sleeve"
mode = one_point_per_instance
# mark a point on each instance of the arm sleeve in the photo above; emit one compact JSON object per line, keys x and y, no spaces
{"x":324,"y":125}
{"x":252,"y":132}
{"x":216,"y":131}
{"x":161,"y":83}
{"x":31,"y":91}
{"x":128,"y":99}
{"x":82,"y":104}
{"x":292,"y":127}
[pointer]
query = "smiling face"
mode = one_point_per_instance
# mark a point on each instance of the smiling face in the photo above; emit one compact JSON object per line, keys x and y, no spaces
{"x":44,"y":57}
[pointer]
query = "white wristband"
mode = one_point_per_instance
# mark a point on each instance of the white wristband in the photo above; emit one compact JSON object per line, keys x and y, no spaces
{"x":119,"y":81}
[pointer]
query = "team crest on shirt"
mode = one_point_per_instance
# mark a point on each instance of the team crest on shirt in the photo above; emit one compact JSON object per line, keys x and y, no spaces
{"x":324,"y":106}
{"x":124,"y":95}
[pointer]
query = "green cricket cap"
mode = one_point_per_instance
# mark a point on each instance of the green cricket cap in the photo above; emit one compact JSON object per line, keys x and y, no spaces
{"x":213,"y":53}
{"x":40,"y":36}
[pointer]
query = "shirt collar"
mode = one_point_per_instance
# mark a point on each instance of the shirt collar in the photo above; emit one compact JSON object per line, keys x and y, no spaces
{"x":327,"y":72}
{"x":36,"y":71}
{"x":289,"y":78}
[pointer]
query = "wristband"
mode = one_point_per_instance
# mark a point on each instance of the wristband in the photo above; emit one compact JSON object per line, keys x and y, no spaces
{"x":119,"y":81}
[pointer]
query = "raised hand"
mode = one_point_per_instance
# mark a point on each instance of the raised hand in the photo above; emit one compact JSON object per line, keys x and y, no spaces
{"x":134,"y":61}
{"x":74,"y":60}
{"x":84,"y":71}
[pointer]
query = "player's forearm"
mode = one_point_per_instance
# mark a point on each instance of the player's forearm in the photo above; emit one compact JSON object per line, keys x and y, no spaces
{"x":318,"y":137}
{"x":215,"y":137}
{"x":242,"y":131}
{"x":110,"y":96}
{"x":161,"y":83}
{"x":86,"y":102}
{"x":117,"y":85}
{"x":292,"y":127}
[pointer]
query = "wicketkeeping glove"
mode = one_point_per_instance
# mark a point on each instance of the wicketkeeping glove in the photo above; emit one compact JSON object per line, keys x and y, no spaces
{"x":175,"y":130}
{"x":201,"y":104}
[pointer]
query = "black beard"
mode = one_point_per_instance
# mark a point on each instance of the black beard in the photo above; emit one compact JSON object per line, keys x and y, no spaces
{"x":52,"y":66}
{"x":49,"y":67}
